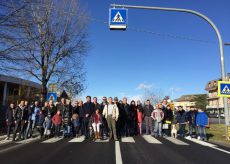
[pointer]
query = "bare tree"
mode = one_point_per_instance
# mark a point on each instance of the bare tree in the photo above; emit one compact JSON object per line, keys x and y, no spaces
{"x":154,"y":95}
{"x":49,"y":43}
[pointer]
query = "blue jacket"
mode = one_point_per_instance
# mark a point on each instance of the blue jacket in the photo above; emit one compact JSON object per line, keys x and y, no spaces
{"x":201,"y":119}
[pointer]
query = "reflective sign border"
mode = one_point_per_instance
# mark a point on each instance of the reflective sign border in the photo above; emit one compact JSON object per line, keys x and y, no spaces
{"x":219,"y":91}
{"x":118,"y":26}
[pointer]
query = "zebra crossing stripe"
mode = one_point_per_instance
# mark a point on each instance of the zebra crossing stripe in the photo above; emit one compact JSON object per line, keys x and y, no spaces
{"x":78,"y":139}
{"x":127,"y":140}
{"x":52,"y":140}
{"x":175,"y":141}
{"x":98,"y":140}
{"x":5,"y":142}
{"x":151,"y":139}
{"x":28,"y":140}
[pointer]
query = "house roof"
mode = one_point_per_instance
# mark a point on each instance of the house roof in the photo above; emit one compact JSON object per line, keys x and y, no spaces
{"x":188,"y":97}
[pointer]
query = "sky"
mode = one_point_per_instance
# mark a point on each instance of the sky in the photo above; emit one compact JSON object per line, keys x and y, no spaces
{"x":178,"y":55}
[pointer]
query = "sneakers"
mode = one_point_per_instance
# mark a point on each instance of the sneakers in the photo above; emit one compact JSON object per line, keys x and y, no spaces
{"x":7,"y":138}
{"x":198,"y":138}
{"x":188,"y":137}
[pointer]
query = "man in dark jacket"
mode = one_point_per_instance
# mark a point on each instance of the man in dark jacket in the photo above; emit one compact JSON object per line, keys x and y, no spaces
{"x":126,"y":118}
{"x":67,"y":115}
{"x":10,"y":119}
{"x":88,"y":108}
{"x":191,"y":116}
{"x":181,"y":120}
{"x":96,"y":105}
{"x":168,"y":119}
{"x":148,"y":109}
{"x":19,"y":123}
{"x":119,"y":123}
{"x":105,"y":129}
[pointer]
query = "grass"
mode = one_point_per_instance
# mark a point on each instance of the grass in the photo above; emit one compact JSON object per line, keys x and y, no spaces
{"x":217,"y":133}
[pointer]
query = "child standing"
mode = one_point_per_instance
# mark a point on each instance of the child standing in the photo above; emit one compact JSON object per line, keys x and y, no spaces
{"x":76,"y":125}
{"x":47,"y":126}
{"x":41,"y":119}
{"x":57,"y":120}
{"x":96,"y":123}
{"x":201,"y":122}
{"x":139,"y":120}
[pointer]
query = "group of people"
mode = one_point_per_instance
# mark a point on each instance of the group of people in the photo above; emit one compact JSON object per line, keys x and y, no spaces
{"x":109,"y":119}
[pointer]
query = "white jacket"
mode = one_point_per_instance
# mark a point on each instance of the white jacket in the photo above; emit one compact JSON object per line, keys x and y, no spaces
{"x":115,"y":112}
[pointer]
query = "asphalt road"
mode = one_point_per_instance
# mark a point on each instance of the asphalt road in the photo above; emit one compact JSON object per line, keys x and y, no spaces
{"x":131,"y":150}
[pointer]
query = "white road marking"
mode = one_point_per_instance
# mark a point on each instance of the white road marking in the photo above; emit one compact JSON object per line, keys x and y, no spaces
{"x":208,"y":145}
{"x":127,"y":139}
{"x":3,"y":136}
{"x":28,"y":140}
{"x":151,"y":139}
{"x":175,"y":141}
{"x":78,"y":139}
{"x":52,"y":140}
{"x":5,"y":142}
{"x":99,"y":140}
{"x":118,"y":153}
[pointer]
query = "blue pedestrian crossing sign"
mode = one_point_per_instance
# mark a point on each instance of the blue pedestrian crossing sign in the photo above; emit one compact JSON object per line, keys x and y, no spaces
{"x":118,"y":18}
{"x":223,"y":89}
{"x":52,"y":96}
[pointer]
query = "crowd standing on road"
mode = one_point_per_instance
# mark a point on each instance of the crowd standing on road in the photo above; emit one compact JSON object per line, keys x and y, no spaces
{"x":111,"y":119}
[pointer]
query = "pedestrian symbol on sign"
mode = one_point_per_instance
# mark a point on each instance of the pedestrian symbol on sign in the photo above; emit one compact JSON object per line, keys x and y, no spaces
{"x":118,"y":18}
{"x":226,"y":89}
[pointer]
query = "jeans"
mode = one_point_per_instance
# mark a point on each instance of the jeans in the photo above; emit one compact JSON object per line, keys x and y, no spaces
{"x":202,"y":132}
{"x":181,"y":130}
{"x":148,"y":124}
{"x":30,"y":128}
{"x":86,"y":127}
{"x":19,"y":126}
{"x":157,"y":128}
{"x":66,"y":130}
{"x":9,"y":128}
{"x":57,"y":130}
{"x":191,"y":128}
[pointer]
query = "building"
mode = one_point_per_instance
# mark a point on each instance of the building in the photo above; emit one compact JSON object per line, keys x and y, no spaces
{"x":13,"y":89}
{"x":215,"y":102}
{"x":186,"y":101}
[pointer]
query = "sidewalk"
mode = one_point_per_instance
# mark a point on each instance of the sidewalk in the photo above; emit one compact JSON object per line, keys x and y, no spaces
{"x":221,"y":143}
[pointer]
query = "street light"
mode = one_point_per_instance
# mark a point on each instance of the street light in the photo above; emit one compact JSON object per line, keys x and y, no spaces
{"x":220,"y":42}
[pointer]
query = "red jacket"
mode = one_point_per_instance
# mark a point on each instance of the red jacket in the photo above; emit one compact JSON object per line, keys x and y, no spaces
{"x":57,"y":119}
{"x":139,"y":117}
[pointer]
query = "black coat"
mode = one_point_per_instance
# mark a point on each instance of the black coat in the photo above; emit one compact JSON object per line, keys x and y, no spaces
{"x":88,"y":108}
{"x":18,"y":113}
{"x":10,"y":116}
{"x":148,"y":110}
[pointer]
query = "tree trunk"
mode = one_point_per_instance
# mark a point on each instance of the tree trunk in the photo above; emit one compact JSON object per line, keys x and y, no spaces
{"x":44,"y":92}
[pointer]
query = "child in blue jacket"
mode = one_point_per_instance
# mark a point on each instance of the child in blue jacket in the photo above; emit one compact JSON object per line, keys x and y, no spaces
{"x":201,"y":123}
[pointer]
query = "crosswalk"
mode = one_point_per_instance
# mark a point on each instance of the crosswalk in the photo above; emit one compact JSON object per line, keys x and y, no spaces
{"x":148,"y":138}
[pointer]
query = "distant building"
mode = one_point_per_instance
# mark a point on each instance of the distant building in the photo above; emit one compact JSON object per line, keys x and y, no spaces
{"x":186,"y":101}
{"x":215,"y":102}
{"x":14,"y":89}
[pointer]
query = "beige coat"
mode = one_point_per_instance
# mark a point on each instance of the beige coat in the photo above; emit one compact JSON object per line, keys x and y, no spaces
{"x":115,"y":113}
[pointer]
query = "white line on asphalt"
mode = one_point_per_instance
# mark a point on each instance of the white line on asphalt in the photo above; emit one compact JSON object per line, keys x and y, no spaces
{"x":127,"y":139}
{"x":78,"y":139}
{"x":208,"y":145}
{"x":5,"y":142}
{"x":98,"y":140}
{"x":52,"y":140}
{"x":3,"y":136}
{"x":118,"y":153}
{"x":151,"y":139}
{"x":175,"y":141}
{"x":28,"y":140}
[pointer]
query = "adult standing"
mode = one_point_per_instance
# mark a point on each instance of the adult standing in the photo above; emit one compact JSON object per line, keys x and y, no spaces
{"x":88,"y":111}
{"x":148,"y":109}
{"x":127,"y":117}
{"x":181,"y":120}
{"x":10,"y":119}
{"x":19,"y":124}
{"x":119,"y":123}
{"x":104,"y":128}
{"x":81,"y":114}
{"x":67,"y":115}
{"x":191,"y":116}
{"x":96,"y":105}
{"x":133,"y":113}
{"x":111,"y":114}
{"x":168,"y":120}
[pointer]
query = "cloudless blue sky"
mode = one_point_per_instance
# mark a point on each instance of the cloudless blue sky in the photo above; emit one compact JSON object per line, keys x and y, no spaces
{"x":120,"y":61}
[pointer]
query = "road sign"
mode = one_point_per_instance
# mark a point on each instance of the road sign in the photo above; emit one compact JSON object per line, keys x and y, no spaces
{"x":118,"y":18}
{"x":223,"y":89}
{"x":51,"y":96}
{"x":52,"y":87}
